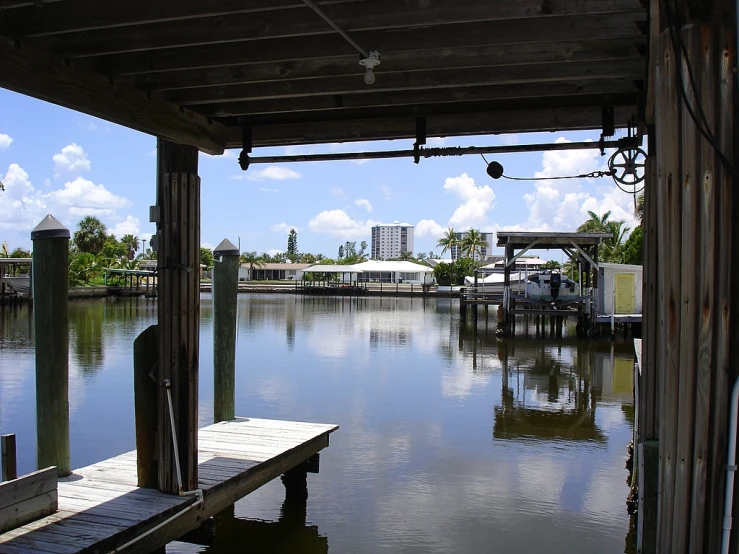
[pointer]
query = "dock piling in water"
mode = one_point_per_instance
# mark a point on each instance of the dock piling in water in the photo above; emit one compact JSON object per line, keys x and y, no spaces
{"x":225,"y":289}
{"x":50,"y":269}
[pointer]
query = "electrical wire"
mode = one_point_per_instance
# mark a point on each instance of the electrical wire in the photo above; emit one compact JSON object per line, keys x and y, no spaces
{"x":680,"y":50}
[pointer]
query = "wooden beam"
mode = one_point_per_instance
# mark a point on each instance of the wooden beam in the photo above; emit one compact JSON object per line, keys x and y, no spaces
{"x":511,"y":261}
{"x":35,"y":74}
{"x":418,"y":39}
{"x":342,"y":65}
{"x":11,"y":4}
{"x":418,"y":80}
{"x":378,"y":15}
{"x":89,"y":15}
{"x":9,"y":460}
{"x":446,"y":100}
{"x":491,"y":122}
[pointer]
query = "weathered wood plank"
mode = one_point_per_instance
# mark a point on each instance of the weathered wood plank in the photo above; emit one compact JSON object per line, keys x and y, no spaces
{"x":649,"y":399}
{"x":90,"y":15}
{"x":27,"y":486}
{"x":668,"y":198}
{"x":626,"y":70}
{"x":9,"y":460}
{"x":509,"y":121}
{"x":500,"y":33}
{"x":36,"y":74}
{"x":704,"y":57}
{"x":725,"y":297}
{"x":31,"y":509}
{"x":686,"y":285}
{"x":343,"y":65}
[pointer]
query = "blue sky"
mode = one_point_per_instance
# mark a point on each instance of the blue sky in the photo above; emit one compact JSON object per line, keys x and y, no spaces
{"x":54,"y":160}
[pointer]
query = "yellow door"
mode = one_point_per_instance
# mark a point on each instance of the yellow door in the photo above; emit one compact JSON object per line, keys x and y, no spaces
{"x":624,"y":297}
{"x":623,"y":376}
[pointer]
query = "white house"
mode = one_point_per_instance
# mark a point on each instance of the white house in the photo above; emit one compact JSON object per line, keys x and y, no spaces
{"x":272,"y":272}
{"x":376,"y":271}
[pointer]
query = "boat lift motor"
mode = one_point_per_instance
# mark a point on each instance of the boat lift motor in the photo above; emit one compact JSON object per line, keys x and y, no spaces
{"x":554,"y":284}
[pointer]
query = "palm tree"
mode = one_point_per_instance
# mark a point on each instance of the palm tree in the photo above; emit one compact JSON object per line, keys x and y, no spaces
{"x":612,"y":249}
{"x":448,"y":240}
{"x":596,"y":223}
{"x":639,"y":208}
{"x":4,"y":253}
{"x":131,"y":244}
{"x":473,"y":243}
{"x":91,"y":235}
{"x":253,"y":260}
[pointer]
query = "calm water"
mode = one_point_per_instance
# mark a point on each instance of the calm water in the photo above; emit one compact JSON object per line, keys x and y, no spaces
{"x":450,"y":441}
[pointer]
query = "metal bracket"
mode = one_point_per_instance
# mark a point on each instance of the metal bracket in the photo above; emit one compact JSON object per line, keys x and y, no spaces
{"x":420,"y":138}
{"x":246,"y":147}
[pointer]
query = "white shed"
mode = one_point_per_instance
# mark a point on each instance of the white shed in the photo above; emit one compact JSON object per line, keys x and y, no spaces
{"x":619,"y":289}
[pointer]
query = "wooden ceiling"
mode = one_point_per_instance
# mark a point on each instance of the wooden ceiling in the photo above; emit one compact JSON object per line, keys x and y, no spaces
{"x":197,"y":71}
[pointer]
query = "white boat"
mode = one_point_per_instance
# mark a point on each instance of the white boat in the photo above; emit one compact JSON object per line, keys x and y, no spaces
{"x":20,"y":284}
{"x":495,"y":282}
{"x":551,"y":286}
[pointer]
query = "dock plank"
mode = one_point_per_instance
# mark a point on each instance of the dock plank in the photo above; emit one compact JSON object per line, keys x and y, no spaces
{"x":101,"y":507}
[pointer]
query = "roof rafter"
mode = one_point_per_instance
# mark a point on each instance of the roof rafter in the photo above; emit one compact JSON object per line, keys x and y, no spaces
{"x":40,"y":76}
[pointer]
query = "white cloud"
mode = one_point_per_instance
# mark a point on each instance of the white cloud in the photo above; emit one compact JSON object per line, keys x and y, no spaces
{"x":337,"y":191}
{"x":23,"y":206}
{"x":363,"y":203}
{"x":510,"y":139}
{"x":72,"y":159}
{"x":5,"y":141}
{"x":283,"y":228}
{"x":274,"y":251}
{"x":265,"y":189}
{"x":129,"y":226}
{"x":84,"y":194}
{"x":429,"y":228}
{"x":338,"y":224}
{"x":387,"y":194}
{"x":562,"y":205}
{"x":477,"y":201}
{"x":274,"y":172}
{"x":437,"y":141}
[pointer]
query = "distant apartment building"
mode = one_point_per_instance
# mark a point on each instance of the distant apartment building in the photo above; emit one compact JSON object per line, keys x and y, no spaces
{"x":390,"y":240}
{"x":482,"y":254}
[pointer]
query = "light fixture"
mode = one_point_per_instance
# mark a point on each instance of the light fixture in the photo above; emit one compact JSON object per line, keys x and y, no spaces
{"x":370,"y":62}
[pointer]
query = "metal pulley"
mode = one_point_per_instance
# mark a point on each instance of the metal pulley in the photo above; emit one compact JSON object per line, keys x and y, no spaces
{"x":627,"y":167}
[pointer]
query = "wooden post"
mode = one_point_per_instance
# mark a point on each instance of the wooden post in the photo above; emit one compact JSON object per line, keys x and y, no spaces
{"x":145,"y":393}
{"x":50,"y":269}
{"x":9,"y":461}
{"x":225,"y":289}
{"x":178,"y":231}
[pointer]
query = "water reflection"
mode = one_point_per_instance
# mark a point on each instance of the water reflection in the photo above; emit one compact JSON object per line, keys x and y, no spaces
{"x":451,"y":440}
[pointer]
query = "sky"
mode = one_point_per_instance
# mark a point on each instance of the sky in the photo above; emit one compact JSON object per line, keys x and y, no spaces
{"x":60,"y":162}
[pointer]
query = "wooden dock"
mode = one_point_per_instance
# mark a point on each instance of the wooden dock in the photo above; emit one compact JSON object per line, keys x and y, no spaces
{"x":101,"y":508}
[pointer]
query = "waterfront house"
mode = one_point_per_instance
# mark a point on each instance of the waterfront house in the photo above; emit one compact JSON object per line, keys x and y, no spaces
{"x":272,"y":272}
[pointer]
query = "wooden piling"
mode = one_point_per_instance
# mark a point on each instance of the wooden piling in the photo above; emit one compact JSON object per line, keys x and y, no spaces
{"x":50,"y":269}
{"x":9,"y":460}
{"x":145,"y":393}
{"x":225,"y":289}
{"x":178,"y":230}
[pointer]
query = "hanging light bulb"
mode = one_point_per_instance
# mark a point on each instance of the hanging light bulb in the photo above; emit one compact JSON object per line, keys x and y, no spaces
{"x":369,"y":76}
{"x":369,"y":63}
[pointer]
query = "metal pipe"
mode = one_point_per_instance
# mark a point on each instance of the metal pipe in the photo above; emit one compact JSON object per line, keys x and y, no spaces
{"x":730,"y":468}
{"x":336,"y":28}
{"x":434,"y":152}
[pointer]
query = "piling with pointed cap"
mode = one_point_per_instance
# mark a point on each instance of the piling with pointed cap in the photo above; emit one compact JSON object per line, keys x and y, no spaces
{"x":225,"y":288}
{"x":50,"y":274}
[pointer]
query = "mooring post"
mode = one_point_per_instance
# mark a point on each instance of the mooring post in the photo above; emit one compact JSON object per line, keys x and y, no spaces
{"x":225,"y":289}
{"x":145,"y":393}
{"x":9,"y":460}
{"x":50,"y":268}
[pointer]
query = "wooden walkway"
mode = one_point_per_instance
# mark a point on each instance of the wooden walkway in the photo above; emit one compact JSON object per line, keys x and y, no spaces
{"x":102,"y":509}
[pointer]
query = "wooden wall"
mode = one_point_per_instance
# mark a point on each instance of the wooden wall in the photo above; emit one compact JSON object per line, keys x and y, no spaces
{"x":689,"y":235}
